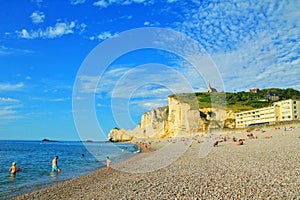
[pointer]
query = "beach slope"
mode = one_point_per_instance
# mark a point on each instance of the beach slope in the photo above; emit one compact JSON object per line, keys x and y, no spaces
{"x":263,"y":168}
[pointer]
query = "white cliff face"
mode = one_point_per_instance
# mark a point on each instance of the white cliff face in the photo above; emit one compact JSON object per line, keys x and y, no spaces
{"x":119,"y":135}
{"x":153,"y":122}
{"x":176,"y":119}
{"x":151,"y":126}
{"x":219,"y":117}
{"x":182,"y":119}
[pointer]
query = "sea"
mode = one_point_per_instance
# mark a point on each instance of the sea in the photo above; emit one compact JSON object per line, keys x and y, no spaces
{"x":35,"y":157}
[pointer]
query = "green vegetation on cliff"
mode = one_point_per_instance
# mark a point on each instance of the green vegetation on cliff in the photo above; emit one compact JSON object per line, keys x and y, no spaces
{"x":239,"y":101}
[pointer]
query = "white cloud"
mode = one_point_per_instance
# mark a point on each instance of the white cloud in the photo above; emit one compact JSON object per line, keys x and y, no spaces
{"x":142,"y":82}
{"x":4,"y":51}
{"x":75,"y":2}
{"x":147,"y":81}
{"x":60,"y":99}
{"x":10,"y":87}
{"x":148,"y":104}
{"x":8,"y":108}
{"x":254,"y":44}
{"x":6,"y":112}
{"x":60,"y":29}
{"x":102,"y":36}
{"x":87,"y":84}
{"x":81,"y":27}
{"x":105,"y":35}
{"x":8,"y":100}
{"x":106,"y":3}
{"x":101,"y":3}
{"x":37,"y":17}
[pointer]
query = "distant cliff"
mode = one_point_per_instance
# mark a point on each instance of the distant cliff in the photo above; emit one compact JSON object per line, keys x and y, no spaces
{"x":191,"y":113}
{"x":178,"y":118}
{"x":119,"y":135}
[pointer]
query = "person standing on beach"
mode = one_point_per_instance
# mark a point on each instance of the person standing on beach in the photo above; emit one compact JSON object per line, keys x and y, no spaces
{"x":55,"y":168}
{"x":107,"y":163}
{"x":13,"y":169}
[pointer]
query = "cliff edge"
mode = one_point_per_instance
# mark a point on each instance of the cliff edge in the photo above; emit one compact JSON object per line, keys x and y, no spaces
{"x":178,"y":118}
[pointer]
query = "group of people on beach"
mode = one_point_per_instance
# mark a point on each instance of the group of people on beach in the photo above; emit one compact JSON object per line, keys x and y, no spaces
{"x":55,"y":169}
{"x":249,"y":135}
{"x":144,"y":146}
{"x":233,"y":139}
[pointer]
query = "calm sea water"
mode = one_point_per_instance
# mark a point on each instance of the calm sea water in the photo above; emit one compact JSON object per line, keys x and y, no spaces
{"x":34,"y":158}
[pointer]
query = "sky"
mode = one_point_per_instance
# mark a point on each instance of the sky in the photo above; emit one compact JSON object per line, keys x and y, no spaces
{"x":46,"y":46}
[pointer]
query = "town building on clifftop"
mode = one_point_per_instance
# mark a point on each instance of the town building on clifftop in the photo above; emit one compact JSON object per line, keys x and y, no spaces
{"x":286,"y":110}
{"x":254,"y":90}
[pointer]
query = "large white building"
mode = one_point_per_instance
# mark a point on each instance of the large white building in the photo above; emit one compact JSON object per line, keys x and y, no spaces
{"x":285,"y":110}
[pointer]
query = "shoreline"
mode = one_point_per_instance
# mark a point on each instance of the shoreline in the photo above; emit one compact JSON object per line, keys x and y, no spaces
{"x":73,"y":165}
{"x":261,"y":168}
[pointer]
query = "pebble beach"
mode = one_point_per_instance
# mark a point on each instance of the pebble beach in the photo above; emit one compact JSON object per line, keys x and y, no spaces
{"x":264,"y":167}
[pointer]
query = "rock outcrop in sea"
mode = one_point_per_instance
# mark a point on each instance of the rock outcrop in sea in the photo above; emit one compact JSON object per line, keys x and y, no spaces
{"x":178,"y":118}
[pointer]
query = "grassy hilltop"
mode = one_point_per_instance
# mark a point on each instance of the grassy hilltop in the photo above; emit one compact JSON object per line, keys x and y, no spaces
{"x":239,"y":101}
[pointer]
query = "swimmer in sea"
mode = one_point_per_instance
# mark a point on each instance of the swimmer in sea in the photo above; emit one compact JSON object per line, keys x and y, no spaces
{"x":13,"y":169}
{"x":55,"y":168}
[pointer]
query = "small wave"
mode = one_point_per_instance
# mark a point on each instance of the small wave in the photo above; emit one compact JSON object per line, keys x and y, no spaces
{"x":138,"y":151}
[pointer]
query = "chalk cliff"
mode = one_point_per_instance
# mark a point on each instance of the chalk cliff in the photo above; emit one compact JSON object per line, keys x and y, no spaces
{"x":178,"y":118}
{"x":119,"y":135}
{"x":183,"y":120}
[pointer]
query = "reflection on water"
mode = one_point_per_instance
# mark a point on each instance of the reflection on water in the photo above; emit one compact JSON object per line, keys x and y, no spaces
{"x":54,"y":176}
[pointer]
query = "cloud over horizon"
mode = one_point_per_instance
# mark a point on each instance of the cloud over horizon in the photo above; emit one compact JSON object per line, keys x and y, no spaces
{"x":10,"y":87}
{"x":45,"y":43}
{"x":59,"y":29}
{"x":248,"y":40}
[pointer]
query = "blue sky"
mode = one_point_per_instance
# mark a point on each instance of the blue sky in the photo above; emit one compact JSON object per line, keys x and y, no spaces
{"x":43,"y":44}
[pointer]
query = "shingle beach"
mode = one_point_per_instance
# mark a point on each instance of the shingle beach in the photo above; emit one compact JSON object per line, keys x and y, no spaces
{"x":266,"y":167}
